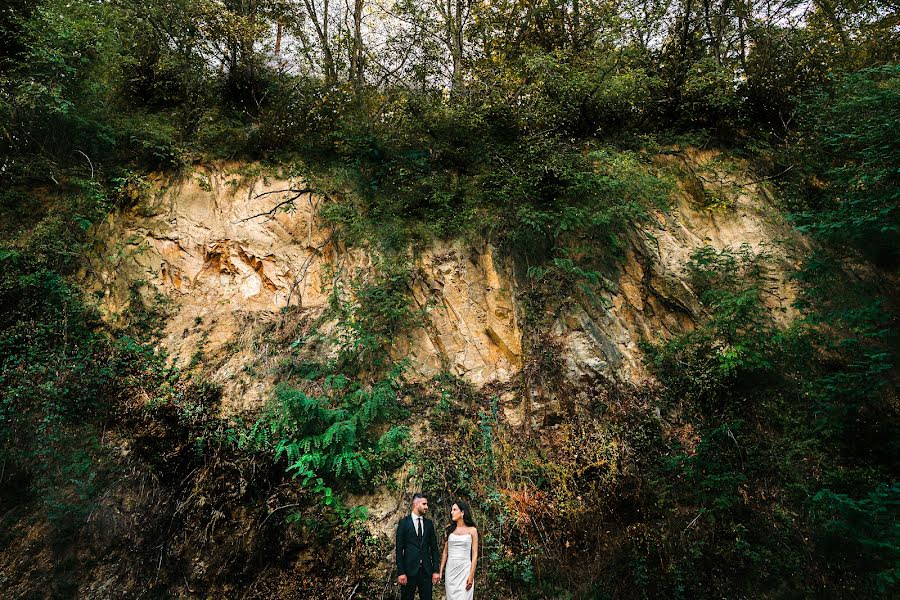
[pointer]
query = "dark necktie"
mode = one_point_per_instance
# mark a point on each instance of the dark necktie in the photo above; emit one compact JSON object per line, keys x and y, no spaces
{"x":419,"y":527}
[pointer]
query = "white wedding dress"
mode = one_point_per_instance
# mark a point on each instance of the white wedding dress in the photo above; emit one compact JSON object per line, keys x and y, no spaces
{"x":459,"y":565}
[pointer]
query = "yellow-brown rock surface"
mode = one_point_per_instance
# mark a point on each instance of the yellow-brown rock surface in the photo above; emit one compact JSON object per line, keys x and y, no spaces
{"x":228,"y":257}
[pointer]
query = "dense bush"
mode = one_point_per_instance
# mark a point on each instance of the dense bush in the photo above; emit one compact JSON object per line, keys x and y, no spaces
{"x":736,"y":380}
{"x":63,"y":378}
{"x":849,"y":156}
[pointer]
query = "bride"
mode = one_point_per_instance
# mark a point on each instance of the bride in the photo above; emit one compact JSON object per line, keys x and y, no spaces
{"x":460,"y":554}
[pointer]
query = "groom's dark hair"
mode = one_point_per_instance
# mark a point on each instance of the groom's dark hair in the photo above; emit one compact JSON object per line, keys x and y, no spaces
{"x":418,"y":495}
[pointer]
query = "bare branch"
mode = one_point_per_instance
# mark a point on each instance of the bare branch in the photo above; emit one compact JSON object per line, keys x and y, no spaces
{"x":90,"y":162}
{"x":297,"y":193}
{"x":271,"y":212}
{"x":291,"y":190}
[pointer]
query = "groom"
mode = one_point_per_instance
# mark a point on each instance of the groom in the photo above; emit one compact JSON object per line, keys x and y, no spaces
{"x":418,"y":562}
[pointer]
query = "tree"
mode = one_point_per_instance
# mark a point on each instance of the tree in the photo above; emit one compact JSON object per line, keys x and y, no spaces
{"x":851,"y":152}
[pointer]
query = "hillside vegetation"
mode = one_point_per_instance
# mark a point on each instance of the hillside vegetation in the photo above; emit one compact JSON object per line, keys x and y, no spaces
{"x":757,"y":457}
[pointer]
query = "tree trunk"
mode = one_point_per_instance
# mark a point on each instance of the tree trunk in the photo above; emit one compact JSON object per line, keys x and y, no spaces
{"x":576,"y":25}
{"x":321,"y":27}
{"x":356,"y":53}
{"x":827,"y":8}
{"x":278,"y":38}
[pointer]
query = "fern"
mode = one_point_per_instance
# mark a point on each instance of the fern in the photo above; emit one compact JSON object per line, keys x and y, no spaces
{"x":335,"y":439}
{"x":332,"y":437}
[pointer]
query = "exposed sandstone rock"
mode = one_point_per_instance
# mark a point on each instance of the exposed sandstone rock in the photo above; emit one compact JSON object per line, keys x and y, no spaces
{"x":471,"y":326}
{"x":229,"y":262}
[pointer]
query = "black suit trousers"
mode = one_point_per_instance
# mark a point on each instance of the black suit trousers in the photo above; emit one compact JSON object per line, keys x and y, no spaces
{"x":421,"y":581}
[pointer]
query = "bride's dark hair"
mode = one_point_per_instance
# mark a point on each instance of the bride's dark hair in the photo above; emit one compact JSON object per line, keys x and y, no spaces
{"x":467,"y":517}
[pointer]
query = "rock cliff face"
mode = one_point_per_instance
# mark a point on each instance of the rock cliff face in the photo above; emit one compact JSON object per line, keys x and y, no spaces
{"x":229,"y":253}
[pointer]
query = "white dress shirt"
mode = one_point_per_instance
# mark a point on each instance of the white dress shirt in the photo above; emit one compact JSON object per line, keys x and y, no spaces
{"x":416,"y":517}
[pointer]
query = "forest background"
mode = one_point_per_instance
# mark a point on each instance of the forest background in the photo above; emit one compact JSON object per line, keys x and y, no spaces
{"x":528,"y":123}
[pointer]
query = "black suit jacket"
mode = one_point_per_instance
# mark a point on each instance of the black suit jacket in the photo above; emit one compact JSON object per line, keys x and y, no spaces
{"x":413,"y":554}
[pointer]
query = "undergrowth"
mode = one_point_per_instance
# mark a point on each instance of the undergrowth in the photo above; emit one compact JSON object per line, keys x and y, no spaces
{"x":741,"y":443}
{"x":336,"y":431}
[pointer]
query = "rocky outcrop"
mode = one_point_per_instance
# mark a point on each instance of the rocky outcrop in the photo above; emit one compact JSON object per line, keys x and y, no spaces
{"x":471,"y":325}
{"x":651,"y":299}
{"x":231,"y":253}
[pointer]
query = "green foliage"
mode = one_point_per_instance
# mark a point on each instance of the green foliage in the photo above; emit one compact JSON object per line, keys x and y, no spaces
{"x":58,"y":106}
{"x":425,"y":169}
{"x":752,"y":403}
{"x":62,"y":376}
{"x":331,"y":442}
{"x":784,"y":65}
{"x":543,"y":148}
{"x":334,"y":436}
{"x":849,"y":155}
{"x":722,"y":401}
{"x":714,"y":471}
{"x":534,"y":503}
{"x":703,"y":368}
{"x":345,"y":436}
{"x":553,"y":197}
{"x":371,"y":314}
{"x":708,"y":94}
{"x":849,"y":322}
{"x":564,"y":275}
{"x":732,"y":287}
{"x":864,"y":531}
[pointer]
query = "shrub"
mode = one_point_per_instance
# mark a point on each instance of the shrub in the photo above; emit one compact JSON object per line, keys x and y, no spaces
{"x":864,"y":532}
{"x":702,"y":368}
{"x":849,"y":155}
